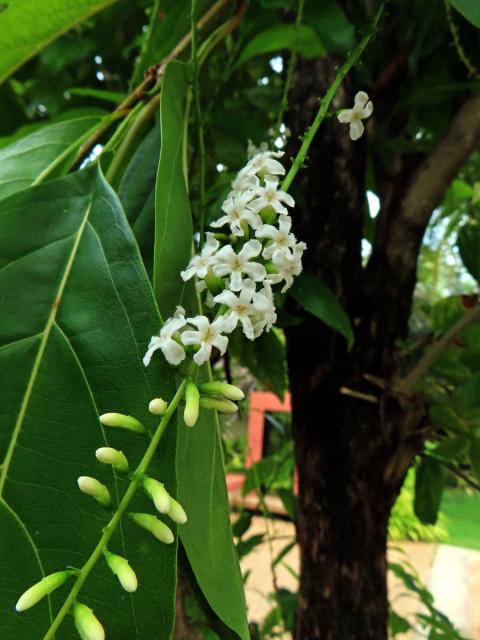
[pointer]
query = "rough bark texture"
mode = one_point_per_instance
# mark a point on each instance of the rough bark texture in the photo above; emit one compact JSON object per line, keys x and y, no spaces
{"x":352,"y":453}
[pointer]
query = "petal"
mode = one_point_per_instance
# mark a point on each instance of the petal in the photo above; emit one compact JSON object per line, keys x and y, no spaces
{"x":220,"y":222}
{"x":345,"y":115}
{"x":356,"y":129}
{"x":247,"y":327}
{"x":268,"y":230}
{"x":230,"y":322}
{"x":285,"y":223}
{"x":188,"y":273}
{"x":155,"y":343}
{"x":255,"y":270}
{"x":173,"y":352}
{"x":250,"y":249}
{"x":201,"y":322}
{"x":360,"y":100}
{"x":203,"y":354}
{"x":221,"y":342}
{"x":287,"y":198}
{"x":367,"y":110}
{"x":248,"y":289}
{"x":226,"y":297}
{"x":190,"y":337}
{"x":235,"y":281}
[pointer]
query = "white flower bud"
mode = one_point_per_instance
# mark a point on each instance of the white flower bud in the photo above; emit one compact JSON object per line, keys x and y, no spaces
{"x":122,"y":421}
{"x":177,"y":512}
{"x":87,"y":625}
{"x":94,"y":488}
{"x":124,"y":572}
{"x":223,"y":406}
{"x":154,"y":525}
{"x":158,"y":494}
{"x":192,"y":405}
{"x":117,"y":459}
{"x":41,"y":589}
{"x":157,"y":406}
{"x":229,"y":391}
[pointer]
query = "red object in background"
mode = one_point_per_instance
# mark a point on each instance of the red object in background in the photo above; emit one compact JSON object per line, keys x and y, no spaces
{"x":261,"y":402}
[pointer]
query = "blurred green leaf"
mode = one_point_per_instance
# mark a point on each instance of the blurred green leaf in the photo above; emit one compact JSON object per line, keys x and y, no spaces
{"x":474,"y":454}
{"x":100,"y":94}
{"x":314,"y":296}
{"x":468,"y":245}
{"x":245,"y":546}
{"x":428,"y":490}
{"x":470,"y":9}
{"x":331,"y":24}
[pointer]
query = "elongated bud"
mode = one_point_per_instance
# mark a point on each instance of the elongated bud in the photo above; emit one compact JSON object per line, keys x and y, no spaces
{"x":42,"y":589}
{"x":158,"y":494}
{"x":157,"y":406}
{"x":192,"y":404}
{"x":87,"y":625}
{"x":154,"y":525}
{"x":94,"y":488}
{"x":177,"y":512}
{"x":121,"y":421}
{"x":124,"y":572}
{"x":270,"y":267}
{"x":229,"y":391}
{"x":117,"y":459}
{"x":223,"y":406}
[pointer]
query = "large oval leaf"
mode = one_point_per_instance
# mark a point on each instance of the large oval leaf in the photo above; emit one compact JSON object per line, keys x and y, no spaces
{"x":77,"y":313}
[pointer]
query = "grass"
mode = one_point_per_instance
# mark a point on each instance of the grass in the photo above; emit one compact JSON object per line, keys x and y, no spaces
{"x":462,"y":518}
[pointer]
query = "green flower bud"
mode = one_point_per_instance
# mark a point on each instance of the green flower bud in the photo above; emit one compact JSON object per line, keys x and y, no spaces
{"x":121,"y":421}
{"x":214,"y":284}
{"x":154,"y":525}
{"x":87,"y":625}
{"x":177,"y":512}
{"x":42,"y":589}
{"x":192,"y":406}
{"x":157,"y":406}
{"x":268,"y":215}
{"x":92,"y":487}
{"x":229,"y":391}
{"x":124,"y":572}
{"x":117,"y":459}
{"x":270,"y":267}
{"x":158,"y":494}
{"x":221,"y":405}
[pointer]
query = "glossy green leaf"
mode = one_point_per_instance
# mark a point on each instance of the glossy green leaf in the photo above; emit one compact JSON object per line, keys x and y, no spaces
{"x":314,"y":296}
{"x":470,"y":9}
{"x":173,"y":220}
{"x":40,"y":153}
{"x":283,"y":36}
{"x":27,"y":27}
{"x":77,"y":313}
{"x":468,"y":244}
{"x":428,"y":490}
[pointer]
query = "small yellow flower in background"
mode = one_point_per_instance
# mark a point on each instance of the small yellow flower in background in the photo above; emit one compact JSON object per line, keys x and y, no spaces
{"x":362,"y":109}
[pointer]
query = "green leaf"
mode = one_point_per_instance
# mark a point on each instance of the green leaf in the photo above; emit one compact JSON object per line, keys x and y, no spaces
{"x":40,"y":153}
{"x":173,"y":220}
{"x":207,"y":536}
{"x":77,"y":314}
{"x":468,"y":244}
{"x":474,"y":455}
{"x":329,"y":21}
{"x":470,"y":9}
{"x":397,"y":623}
{"x":99,"y":94}
{"x":314,"y":296}
{"x":283,"y":36}
{"x":452,"y":448}
{"x":27,"y":27}
{"x":428,"y":490}
{"x":244,"y":547}
{"x":265,"y":357}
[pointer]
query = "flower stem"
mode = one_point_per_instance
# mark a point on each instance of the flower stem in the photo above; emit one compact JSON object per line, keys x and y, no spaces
{"x":299,"y":159}
{"x":135,"y":482}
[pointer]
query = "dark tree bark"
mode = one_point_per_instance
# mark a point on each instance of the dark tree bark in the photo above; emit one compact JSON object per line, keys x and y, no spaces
{"x":356,"y":430}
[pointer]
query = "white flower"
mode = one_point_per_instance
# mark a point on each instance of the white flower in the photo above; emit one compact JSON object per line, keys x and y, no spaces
{"x":229,"y":263}
{"x":271,"y":196}
{"x":362,"y":108}
{"x":173,"y":352}
{"x":265,"y":315}
{"x":200,"y":264}
{"x":237,"y":212}
{"x":263,"y":164}
{"x":245,"y":180}
{"x":240,"y":308}
{"x":281,"y":238}
{"x":288,"y":264}
{"x":209,"y":335}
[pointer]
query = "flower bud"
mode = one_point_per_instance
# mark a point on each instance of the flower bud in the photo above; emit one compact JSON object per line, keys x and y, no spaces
{"x":157,"y":406}
{"x":223,"y":405}
{"x":154,"y":525}
{"x":87,"y":625}
{"x":268,"y":215}
{"x":122,"y":421}
{"x":214,"y":284}
{"x":94,"y":488}
{"x":158,"y":494}
{"x":117,"y":459}
{"x":42,"y":589}
{"x":177,"y":512}
{"x":124,"y":572}
{"x":270,"y":267}
{"x":192,"y":406}
{"x":229,"y":391}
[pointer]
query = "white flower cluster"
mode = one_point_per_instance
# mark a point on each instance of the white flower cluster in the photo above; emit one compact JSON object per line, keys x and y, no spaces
{"x":236,"y":271}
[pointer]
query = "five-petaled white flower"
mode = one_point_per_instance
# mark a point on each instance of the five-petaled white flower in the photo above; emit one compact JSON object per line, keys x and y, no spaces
{"x":240,"y":308}
{"x":237,"y":211}
{"x":209,"y":335}
{"x":200,"y":264}
{"x":362,"y":108}
{"x":271,"y":196}
{"x":245,"y":180}
{"x":173,"y":352}
{"x":280,"y":237}
{"x":263,"y":164}
{"x":288,"y":264}
{"x":227,"y":262}
{"x":265,"y":314}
